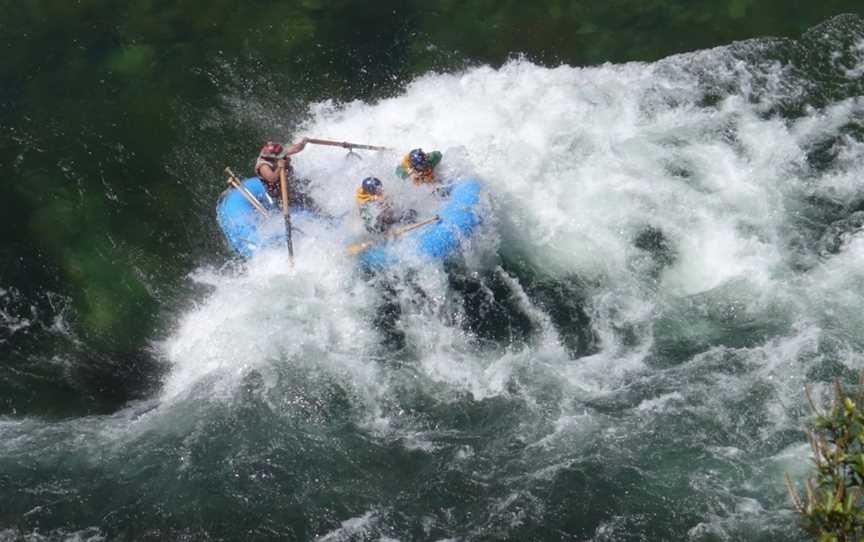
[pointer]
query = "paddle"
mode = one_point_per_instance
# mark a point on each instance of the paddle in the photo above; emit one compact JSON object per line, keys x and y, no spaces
{"x":235,"y":182}
{"x":284,"y":184}
{"x":360,"y":247}
{"x":346,"y":145}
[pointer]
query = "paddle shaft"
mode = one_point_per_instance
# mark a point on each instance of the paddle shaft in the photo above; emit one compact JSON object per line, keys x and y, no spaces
{"x":346,"y":145}
{"x":253,"y":201}
{"x":284,"y":185}
{"x":410,"y":227}
{"x":360,"y":247}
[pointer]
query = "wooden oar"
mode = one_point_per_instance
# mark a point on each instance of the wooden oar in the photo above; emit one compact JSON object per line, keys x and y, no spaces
{"x":235,"y":182}
{"x":285,"y":212}
{"x":360,"y":247}
{"x":346,"y":145}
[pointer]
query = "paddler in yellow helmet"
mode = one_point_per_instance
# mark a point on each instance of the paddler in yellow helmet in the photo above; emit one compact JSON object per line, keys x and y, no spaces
{"x":376,"y":211}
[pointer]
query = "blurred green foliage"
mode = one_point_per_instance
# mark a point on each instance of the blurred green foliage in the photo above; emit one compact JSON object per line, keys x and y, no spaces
{"x":832,"y":506}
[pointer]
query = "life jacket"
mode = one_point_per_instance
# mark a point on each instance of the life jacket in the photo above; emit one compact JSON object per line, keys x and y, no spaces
{"x":375,"y":211}
{"x":273,"y":189}
{"x":362,"y":197}
{"x":419,"y":177}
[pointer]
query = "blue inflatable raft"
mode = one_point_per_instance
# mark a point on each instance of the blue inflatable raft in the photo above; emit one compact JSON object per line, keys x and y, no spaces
{"x":247,"y":231}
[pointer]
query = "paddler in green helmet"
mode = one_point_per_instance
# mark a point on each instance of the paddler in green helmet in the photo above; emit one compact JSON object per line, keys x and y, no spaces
{"x":419,"y":167}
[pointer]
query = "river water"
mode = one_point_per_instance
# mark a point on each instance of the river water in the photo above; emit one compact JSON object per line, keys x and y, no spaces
{"x":671,"y":250}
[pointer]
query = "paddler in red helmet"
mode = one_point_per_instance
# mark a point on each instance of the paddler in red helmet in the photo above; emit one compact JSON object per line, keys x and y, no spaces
{"x":267,"y":169}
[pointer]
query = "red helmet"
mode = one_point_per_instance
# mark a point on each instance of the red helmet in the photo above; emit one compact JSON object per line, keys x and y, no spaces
{"x":272,"y":150}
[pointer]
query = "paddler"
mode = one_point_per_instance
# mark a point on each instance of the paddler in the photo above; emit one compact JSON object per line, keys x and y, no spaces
{"x":419,"y":167}
{"x":273,"y":154}
{"x":376,"y":211}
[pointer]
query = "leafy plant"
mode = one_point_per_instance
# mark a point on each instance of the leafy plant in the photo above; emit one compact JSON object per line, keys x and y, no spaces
{"x":832,"y":506}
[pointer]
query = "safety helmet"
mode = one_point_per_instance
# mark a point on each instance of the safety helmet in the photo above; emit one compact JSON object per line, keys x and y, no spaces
{"x":372,"y":185}
{"x":272,"y":150}
{"x":418,"y":159}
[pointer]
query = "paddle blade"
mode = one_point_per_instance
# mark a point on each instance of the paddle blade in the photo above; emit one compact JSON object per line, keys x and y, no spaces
{"x":358,"y":248}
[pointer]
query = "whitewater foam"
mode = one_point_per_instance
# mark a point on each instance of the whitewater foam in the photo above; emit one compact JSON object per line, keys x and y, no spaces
{"x":674,"y":195}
